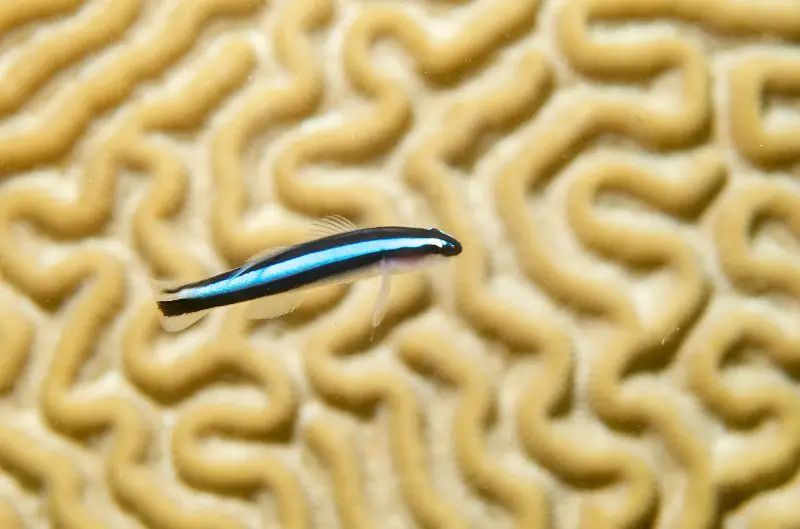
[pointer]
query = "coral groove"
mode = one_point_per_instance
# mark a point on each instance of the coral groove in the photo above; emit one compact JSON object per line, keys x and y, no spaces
{"x":616,"y":347}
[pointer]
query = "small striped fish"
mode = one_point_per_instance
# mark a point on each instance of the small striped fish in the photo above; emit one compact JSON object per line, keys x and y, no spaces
{"x":273,"y":282}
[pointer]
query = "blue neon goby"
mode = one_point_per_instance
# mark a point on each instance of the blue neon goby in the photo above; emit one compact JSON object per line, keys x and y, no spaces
{"x":273,"y":282}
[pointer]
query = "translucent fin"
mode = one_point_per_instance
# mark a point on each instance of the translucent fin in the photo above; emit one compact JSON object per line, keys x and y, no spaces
{"x":181,"y":322}
{"x":324,"y":227}
{"x":331,"y":225}
{"x":401,"y":265}
{"x":382,"y":301}
{"x":259,"y":257}
{"x":275,"y":306}
{"x":160,"y":286}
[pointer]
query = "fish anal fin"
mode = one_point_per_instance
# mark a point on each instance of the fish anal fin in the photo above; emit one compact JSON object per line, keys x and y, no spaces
{"x":331,"y":225}
{"x":275,"y":306}
{"x":181,"y":321}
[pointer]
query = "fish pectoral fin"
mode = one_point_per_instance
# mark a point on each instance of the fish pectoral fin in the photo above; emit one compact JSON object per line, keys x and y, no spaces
{"x":382,"y":301}
{"x":181,"y":321}
{"x":274,"y":306}
{"x":259,"y":257}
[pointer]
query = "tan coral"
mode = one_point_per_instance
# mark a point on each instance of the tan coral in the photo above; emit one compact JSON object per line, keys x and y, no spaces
{"x":429,"y":352}
{"x":737,"y":219}
{"x":751,"y":83}
{"x":57,"y":51}
{"x":53,"y":138}
{"x":769,"y":459}
{"x":636,"y":247}
{"x":18,"y":14}
{"x":583,"y":409}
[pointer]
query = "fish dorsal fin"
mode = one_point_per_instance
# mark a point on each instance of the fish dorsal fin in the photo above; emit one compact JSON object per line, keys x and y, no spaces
{"x":258,"y":258}
{"x":324,"y":227}
{"x":331,"y":225}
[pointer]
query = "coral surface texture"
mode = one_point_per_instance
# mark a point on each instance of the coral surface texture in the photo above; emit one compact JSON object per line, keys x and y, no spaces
{"x":617,"y":346}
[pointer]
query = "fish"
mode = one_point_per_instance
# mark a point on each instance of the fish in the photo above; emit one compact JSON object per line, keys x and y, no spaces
{"x":273,"y":282}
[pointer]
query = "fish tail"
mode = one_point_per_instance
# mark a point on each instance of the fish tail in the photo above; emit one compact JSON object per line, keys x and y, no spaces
{"x":173,"y":313}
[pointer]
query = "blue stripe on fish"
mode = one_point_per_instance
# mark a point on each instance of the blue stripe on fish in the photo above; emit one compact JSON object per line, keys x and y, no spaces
{"x":304,"y":263}
{"x":340,"y":256}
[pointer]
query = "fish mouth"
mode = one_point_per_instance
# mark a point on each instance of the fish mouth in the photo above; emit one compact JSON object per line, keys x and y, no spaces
{"x":451,"y":248}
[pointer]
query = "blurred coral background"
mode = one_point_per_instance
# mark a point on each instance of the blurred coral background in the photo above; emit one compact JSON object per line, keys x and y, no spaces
{"x":618,"y":345}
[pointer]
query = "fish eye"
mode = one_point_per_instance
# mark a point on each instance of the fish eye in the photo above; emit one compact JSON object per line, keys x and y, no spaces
{"x":444,"y":243}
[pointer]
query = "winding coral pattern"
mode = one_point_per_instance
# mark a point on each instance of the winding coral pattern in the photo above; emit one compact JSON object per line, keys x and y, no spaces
{"x":617,"y":346}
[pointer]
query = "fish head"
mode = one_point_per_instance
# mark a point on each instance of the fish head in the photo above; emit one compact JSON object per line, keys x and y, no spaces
{"x":446,"y":245}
